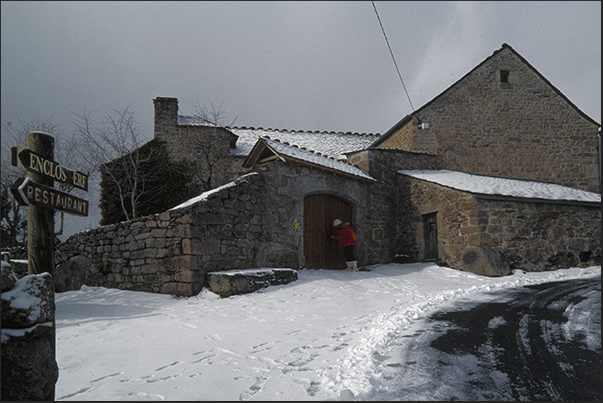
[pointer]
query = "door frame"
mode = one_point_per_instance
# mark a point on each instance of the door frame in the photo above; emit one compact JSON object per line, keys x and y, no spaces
{"x":320,"y":210}
{"x":430,"y":237}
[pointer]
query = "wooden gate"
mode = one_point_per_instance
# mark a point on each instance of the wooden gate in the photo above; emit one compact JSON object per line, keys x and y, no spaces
{"x":320,"y":251}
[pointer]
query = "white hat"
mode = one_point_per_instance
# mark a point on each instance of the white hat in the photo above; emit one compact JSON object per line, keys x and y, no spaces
{"x":336,"y":222}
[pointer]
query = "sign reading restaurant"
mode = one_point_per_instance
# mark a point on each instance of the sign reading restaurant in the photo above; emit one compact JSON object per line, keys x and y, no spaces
{"x":30,"y":193}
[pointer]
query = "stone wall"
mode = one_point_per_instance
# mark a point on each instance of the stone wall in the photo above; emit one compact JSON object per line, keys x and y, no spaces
{"x":494,"y":237}
{"x":286,"y":187}
{"x":520,"y":129}
{"x":379,"y":233}
{"x":246,"y":223}
{"x":171,"y":252}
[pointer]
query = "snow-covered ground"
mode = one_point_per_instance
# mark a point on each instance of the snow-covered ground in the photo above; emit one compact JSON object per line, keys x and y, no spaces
{"x":331,"y":335}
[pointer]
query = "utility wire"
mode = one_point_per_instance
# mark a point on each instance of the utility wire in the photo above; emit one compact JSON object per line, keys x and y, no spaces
{"x":393,"y":58}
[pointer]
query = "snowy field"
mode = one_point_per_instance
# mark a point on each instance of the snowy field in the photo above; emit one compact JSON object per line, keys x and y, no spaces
{"x":331,"y":335}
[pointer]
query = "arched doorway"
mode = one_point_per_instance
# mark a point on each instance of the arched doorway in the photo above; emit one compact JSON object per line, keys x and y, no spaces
{"x":320,"y":251}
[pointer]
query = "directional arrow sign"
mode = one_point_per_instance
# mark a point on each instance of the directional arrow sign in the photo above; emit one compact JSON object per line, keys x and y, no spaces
{"x":36,"y":163}
{"x":30,"y":193}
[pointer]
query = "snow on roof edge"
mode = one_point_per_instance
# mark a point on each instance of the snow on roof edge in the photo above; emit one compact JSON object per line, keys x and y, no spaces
{"x":492,"y":185}
{"x":315,"y":157}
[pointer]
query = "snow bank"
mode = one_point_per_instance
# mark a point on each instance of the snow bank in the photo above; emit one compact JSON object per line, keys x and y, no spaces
{"x":330,"y":335}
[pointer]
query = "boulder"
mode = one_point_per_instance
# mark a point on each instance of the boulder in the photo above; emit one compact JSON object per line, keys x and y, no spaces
{"x":20,"y":267}
{"x":485,"y":261}
{"x":72,"y":274}
{"x":234,"y":282}
{"x":7,"y":279}
{"x":30,"y":302}
{"x":29,"y":369}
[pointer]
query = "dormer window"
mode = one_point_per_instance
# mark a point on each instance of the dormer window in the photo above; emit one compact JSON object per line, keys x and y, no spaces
{"x":504,"y":76}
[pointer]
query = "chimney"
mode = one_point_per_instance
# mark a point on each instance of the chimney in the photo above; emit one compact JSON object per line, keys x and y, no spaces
{"x":166,"y":116}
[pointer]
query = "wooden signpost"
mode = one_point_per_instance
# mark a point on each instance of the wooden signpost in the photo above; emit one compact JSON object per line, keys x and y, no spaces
{"x":38,"y":194}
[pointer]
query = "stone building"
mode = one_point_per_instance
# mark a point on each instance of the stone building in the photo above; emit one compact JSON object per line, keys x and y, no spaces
{"x":277,"y":192}
{"x":504,"y":119}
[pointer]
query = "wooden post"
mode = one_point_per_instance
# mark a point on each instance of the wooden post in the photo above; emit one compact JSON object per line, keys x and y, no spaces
{"x":40,"y":220}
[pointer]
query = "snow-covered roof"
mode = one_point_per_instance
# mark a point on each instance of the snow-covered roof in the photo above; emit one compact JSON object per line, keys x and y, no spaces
{"x":491,"y":185}
{"x":288,"y":152}
{"x":332,"y":144}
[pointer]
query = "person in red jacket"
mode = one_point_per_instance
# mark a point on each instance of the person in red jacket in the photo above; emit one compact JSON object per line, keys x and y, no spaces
{"x":347,"y":240}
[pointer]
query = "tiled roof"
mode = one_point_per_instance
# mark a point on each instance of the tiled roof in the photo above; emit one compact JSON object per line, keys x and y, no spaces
{"x":331,"y":144}
{"x":293,"y":153}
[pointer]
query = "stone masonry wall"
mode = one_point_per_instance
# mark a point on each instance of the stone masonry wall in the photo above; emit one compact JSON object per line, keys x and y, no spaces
{"x":521,"y":129}
{"x":541,"y":236}
{"x":145,"y":254}
{"x":244,"y":224}
{"x":172,"y":251}
{"x":381,"y":212}
{"x":287,"y":185}
{"x":494,"y":237}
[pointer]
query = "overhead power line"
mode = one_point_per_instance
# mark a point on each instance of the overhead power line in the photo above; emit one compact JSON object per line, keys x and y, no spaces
{"x":393,"y":58}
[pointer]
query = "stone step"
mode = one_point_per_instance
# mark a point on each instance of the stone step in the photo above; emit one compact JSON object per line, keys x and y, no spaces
{"x":235,"y":282}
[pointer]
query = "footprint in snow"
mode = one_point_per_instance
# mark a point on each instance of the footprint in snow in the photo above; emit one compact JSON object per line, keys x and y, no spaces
{"x":167,"y":366}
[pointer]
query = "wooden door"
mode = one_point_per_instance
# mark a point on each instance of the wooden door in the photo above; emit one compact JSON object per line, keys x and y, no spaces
{"x":430,"y":231}
{"x":320,"y":251}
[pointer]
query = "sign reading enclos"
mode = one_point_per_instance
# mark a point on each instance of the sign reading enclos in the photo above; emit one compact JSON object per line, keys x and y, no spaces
{"x":33,"y":162}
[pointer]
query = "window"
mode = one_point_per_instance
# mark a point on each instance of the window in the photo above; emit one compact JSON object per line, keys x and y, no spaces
{"x":504,"y":76}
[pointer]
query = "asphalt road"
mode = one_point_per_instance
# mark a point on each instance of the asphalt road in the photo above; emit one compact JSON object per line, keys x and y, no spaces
{"x":540,"y":342}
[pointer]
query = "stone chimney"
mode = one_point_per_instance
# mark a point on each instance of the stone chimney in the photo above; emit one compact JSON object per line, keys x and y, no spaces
{"x":166,"y":117}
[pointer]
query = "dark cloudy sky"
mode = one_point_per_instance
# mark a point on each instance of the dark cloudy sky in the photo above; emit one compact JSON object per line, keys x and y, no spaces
{"x":287,"y":65}
{"x":294,"y":65}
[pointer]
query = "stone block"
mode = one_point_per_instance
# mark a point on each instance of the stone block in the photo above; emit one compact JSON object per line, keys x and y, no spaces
{"x":8,"y":279}
{"x":205,"y":246}
{"x":30,"y":302}
{"x":485,"y":261}
{"x":187,"y":276}
{"x":234,"y":282}
{"x":181,"y":289}
{"x":29,"y":368}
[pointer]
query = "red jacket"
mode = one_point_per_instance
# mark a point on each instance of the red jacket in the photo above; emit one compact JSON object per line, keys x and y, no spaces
{"x":345,"y":237}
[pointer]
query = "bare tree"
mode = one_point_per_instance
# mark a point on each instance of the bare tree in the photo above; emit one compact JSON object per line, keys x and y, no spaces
{"x":212,"y":116}
{"x":13,"y":222}
{"x":136,"y":174}
{"x":112,"y":148}
{"x":211,"y":141}
{"x":14,"y":226}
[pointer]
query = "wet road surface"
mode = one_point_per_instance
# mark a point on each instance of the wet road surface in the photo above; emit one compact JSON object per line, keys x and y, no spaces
{"x":538,"y":342}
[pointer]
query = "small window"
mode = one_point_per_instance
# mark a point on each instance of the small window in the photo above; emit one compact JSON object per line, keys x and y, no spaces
{"x":504,"y":76}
